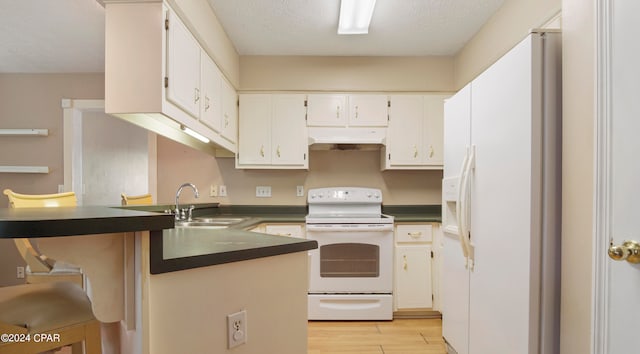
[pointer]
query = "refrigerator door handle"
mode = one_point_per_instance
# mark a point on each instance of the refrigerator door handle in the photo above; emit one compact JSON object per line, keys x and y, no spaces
{"x":466,"y":207}
{"x":460,"y":203}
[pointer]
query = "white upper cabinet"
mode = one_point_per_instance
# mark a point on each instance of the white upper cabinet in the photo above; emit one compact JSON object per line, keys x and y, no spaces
{"x":272,"y":132}
{"x":340,"y":110}
{"x":415,"y":132}
{"x":211,"y":93}
{"x":326,"y":110}
{"x":289,"y":140}
{"x":254,"y":145}
{"x":368,"y":110}
{"x":229,"y":123}
{"x":183,"y":67}
{"x":159,"y":77}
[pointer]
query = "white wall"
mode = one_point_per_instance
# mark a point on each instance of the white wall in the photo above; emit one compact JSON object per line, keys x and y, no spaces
{"x":115,"y":159}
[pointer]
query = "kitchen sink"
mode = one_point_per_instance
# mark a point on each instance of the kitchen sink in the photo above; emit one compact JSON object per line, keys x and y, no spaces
{"x":201,"y":224}
{"x":210,"y":222}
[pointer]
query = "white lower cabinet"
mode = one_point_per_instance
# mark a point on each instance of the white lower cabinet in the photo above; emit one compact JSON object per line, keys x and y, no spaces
{"x":413,"y":281}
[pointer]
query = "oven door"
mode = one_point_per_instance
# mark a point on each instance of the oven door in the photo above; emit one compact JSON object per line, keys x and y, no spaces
{"x":351,"y":258}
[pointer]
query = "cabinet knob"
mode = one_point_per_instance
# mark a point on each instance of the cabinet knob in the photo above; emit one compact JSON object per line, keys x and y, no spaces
{"x":415,"y":234}
{"x":404,"y":262}
{"x":206,"y":103}
{"x":196,"y":95}
{"x":262,"y":151}
{"x":356,"y":112}
{"x":431,"y":151}
{"x":338,"y":112}
{"x":278,"y":151}
{"x":415,"y":151}
{"x":226,"y":120}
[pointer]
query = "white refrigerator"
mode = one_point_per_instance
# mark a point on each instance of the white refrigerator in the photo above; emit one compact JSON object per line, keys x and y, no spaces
{"x":501,"y":205}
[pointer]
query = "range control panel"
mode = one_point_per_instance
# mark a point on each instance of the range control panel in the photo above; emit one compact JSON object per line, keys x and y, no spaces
{"x":344,"y":195}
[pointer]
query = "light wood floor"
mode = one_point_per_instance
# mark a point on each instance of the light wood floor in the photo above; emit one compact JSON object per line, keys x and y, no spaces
{"x":402,"y":336}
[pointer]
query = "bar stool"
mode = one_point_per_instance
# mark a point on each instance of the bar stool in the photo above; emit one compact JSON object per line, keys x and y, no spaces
{"x":47,"y":316}
{"x":40,"y":268}
{"x":143,"y":199}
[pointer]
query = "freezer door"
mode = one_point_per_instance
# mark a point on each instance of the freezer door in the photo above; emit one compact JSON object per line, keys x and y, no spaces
{"x":455,"y":295}
{"x":457,"y":130}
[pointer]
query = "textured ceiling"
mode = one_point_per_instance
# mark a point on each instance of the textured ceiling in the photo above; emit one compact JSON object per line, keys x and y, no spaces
{"x":48,"y":36}
{"x":309,"y":27}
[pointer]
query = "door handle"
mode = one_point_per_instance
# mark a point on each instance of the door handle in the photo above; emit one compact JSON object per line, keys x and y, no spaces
{"x":628,"y":251}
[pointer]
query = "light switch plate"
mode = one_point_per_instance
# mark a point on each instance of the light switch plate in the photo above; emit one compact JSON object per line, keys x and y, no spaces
{"x":300,"y":191}
{"x":222,"y":191}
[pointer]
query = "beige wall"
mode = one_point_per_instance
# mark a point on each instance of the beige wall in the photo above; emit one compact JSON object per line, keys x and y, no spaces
{"x":313,"y":73}
{"x":187,"y":310}
{"x":579,"y":112}
{"x":505,"y":29}
{"x":178,"y":164}
{"x":33,"y":101}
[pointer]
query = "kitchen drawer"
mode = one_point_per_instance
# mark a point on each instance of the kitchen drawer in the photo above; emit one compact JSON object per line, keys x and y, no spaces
{"x":285,"y":230}
{"x":413,"y":233}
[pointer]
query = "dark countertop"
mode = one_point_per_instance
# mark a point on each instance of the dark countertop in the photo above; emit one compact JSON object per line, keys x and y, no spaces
{"x":69,"y":221}
{"x":184,"y":248}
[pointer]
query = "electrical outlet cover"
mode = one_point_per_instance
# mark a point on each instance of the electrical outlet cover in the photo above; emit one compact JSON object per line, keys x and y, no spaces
{"x":237,"y":328}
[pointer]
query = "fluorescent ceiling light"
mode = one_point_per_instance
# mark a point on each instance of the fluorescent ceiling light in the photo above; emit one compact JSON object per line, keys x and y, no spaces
{"x":194,"y":134}
{"x":355,"y":16}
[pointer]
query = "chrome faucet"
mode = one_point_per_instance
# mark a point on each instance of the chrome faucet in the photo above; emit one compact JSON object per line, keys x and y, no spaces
{"x":180,"y":214}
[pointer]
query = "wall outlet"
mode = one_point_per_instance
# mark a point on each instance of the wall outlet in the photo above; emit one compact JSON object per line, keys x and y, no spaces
{"x":20,"y":272}
{"x":237,"y":328}
{"x":263,"y":191}
{"x":300,"y":191}
{"x":60,"y":188}
{"x":213,"y":191}
{"x":222,"y":191}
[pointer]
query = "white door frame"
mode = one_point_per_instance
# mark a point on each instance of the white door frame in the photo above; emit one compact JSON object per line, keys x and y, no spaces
{"x":73,"y":110}
{"x":602,"y":221}
{"x":72,"y":132}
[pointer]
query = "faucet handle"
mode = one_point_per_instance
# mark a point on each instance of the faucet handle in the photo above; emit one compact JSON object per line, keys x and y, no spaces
{"x":190,"y":212}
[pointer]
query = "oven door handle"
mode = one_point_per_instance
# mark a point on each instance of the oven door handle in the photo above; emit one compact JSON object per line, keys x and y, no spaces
{"x":349,"y":228}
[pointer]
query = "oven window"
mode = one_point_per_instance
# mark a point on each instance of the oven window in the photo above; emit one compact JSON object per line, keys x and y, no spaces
{"x":355,"y":260}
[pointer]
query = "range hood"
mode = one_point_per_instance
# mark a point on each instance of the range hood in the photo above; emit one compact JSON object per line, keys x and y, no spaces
{"x":347,"y":135}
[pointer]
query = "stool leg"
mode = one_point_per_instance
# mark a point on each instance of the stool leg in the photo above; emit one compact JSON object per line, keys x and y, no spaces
{"x":76,"y":348}
{"x":92,"y":342}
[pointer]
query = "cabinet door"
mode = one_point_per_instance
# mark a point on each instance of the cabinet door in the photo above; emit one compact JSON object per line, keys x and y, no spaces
{"x":183,"y":67}
{"x":326,"y":110}
{"x":211,"y":105}
{"x":404,"y":135}
{"x":413,"y":277}
{"x":229,"y":123}
{"x":288,"y":131}
{"x":254,"y":145}
{"x":368,"y":110}
{"x":434,"y":129}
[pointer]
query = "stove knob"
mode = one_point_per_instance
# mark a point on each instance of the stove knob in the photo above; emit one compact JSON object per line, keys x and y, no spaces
{"x":313,"y":196}
{"x":377,"y":196}
{"x":369,"y":195}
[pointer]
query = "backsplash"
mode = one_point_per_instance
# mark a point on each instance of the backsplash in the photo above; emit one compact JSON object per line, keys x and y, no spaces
{"x":178,"y":164}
